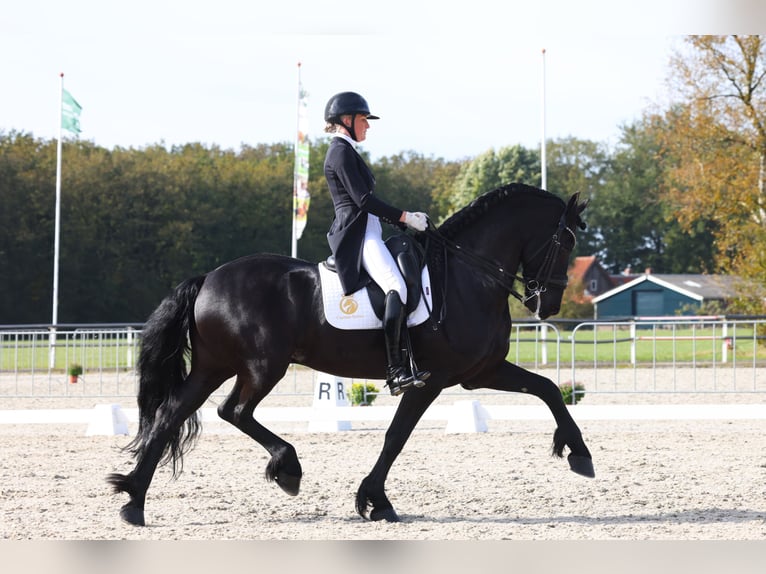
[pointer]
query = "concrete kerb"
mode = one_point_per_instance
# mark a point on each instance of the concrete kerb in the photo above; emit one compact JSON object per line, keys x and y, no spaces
{"x":467,"y":417}
{"x":462,"y":416}
{"x":107,"y":420}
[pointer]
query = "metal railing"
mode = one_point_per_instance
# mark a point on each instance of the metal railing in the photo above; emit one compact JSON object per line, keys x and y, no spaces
{"x":651,"y":355}
{"x":35,"y":361}
{"x":670,"y":355}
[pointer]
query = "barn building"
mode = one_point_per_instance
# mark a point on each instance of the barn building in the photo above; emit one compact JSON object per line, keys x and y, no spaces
{"x":651,"y":295}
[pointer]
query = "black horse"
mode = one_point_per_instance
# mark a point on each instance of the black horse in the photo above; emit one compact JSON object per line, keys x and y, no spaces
{"x":252,"y":317}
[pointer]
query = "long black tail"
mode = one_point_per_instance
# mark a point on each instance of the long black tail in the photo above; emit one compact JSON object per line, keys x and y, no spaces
{"x":162,"y":367}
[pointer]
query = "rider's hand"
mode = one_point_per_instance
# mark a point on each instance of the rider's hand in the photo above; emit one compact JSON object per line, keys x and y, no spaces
{"x":417,"y":220}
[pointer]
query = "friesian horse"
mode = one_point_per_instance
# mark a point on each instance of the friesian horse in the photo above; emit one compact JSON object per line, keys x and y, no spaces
{"x":254,"y":316}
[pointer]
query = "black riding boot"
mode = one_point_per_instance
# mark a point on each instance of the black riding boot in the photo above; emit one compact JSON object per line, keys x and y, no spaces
{"x":398,"y":378}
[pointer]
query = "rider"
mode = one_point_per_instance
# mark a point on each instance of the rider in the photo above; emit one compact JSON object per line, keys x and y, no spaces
{"x":356,"y":236}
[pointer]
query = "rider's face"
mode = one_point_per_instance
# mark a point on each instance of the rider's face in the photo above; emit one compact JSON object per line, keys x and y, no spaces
{"x":361,"y":125}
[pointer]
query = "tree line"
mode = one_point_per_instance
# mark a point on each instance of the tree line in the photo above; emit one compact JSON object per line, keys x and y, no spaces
{"x":682,"y":191}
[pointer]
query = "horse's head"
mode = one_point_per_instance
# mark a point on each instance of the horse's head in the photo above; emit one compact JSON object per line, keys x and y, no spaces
{"x":546,"y":261}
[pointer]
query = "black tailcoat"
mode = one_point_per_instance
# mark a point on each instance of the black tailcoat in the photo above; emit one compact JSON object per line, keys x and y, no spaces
{"x":351,"y":187}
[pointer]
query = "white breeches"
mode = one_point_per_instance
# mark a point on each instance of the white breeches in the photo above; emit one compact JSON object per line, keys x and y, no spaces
{"x":377,"y":260}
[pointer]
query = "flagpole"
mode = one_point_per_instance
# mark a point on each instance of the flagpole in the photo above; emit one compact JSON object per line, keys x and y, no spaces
{"x":543,"y":160}
{"x":294,"y":249}
{"x":57,"y":230}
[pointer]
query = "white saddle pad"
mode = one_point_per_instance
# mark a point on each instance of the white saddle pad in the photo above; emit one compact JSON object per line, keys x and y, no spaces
{"x":354,"y":312}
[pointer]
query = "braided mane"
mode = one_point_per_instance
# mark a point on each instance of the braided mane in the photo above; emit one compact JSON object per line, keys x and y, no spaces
{"x":482,"y":204}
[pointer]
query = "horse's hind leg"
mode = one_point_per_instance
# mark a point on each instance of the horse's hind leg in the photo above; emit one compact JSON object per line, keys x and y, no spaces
{"x":250,"y":388}
{"x":171,"y":415}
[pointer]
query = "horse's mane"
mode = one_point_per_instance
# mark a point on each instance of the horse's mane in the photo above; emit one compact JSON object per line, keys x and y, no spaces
{"x":479,"y":206}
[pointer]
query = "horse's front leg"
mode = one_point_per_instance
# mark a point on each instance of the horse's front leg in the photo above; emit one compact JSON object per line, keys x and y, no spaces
{"x":372,"y":494}
{"x":510,"y":377}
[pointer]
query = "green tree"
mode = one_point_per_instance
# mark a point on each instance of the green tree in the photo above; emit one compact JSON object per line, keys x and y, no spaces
{"x":573,"y":166}
{"x":630,"y":223}
{"x":491,"y":170}
{"x":407,"y":181}
{"x":573,"y":303}
{"x":27,"y":213}
{"x":716,"y":146}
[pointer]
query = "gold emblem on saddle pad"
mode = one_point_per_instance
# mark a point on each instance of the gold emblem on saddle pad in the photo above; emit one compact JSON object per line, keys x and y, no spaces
{"x":348,"y":305}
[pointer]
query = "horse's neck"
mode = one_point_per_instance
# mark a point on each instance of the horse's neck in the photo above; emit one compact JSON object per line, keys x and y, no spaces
{"x":478,"y":275}
{"x":497,"y":243}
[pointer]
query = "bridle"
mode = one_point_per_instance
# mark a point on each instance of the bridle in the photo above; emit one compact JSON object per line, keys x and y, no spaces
{"x":544,"y":276}
{"x":536,"y":285}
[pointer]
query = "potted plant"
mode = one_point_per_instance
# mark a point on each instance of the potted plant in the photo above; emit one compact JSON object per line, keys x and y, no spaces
{"x":567,"y":391}
{"x":75,"y":370}
{"x":363,"y":394}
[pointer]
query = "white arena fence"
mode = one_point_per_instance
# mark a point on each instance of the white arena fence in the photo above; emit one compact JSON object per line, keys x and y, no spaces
{"x":636,"y":355}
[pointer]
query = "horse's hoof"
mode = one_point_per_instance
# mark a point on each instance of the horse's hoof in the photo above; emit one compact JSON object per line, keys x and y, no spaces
{"x":132,"y":515}
{"x":387,"y":514}
{"x":581,"y":465}
{"x":290,"y":484}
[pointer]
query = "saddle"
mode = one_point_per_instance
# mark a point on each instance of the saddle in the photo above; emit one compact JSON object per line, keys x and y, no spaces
{"x":410,"y":258}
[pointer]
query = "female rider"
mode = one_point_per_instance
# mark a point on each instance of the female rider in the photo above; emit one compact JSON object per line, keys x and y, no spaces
{"x":356,"y":236}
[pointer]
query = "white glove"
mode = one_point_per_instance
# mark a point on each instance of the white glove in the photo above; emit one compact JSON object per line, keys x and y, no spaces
{"x":418,"y":221}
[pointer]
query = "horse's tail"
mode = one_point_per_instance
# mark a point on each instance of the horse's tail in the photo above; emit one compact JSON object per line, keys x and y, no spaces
{"x":162,"y":368}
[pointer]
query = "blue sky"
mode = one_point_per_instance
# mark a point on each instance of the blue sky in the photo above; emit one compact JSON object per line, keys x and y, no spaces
{"x":448,"y":81}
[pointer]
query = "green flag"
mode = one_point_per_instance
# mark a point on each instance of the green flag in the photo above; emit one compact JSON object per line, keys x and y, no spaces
{"x":70,"y":113}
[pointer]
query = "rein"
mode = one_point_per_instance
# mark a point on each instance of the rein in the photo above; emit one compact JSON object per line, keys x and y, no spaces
{"x":535,"y":286}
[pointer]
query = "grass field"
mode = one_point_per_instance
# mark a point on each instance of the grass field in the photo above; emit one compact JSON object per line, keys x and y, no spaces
{"x":604,"y":344}
{"x":621,"y":345}
{"x":95,"y":350}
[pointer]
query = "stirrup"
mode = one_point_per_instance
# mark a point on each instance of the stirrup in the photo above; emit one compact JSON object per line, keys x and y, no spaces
{"x":398,"y":381}
{"x":398,"y":389}
{"x":395,"y":389}
{"x":421,"y":378}
{"x":401,"y":381}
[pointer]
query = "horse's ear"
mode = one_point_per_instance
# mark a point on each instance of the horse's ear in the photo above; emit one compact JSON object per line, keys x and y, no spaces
{"x":580,"y":207}
{"x":572,"y":206}
{"x":580,"y":223}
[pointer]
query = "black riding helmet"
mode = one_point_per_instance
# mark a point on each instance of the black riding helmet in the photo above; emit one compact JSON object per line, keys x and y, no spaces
{"x":347,"y":103}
